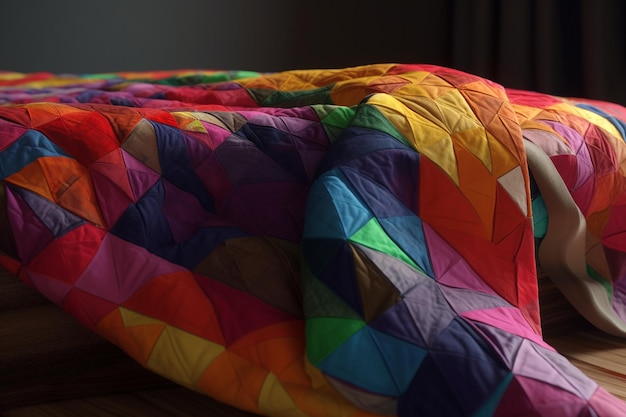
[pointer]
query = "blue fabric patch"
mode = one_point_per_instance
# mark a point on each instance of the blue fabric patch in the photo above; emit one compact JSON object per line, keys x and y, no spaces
{"x":278,"y":145}
{"x":333,"y":210}
{"x":176,"y":166}
{"x":376,"y":362}
{"x":26,"y":149}
{"x":58,"y":220}
{"x":359,"y":142}
{"x":408,"y":234}
{"x":145,"y":224}
{"x":458,"y":377}
{"x":620,"y":125}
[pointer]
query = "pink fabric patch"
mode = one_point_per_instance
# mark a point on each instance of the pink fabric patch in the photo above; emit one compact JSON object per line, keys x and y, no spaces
{"x":449,"y":267}
{"x":508,"y":319}
{"x":141,"y":178}
{"x":607,"y":405}
{"x":120,"y":268}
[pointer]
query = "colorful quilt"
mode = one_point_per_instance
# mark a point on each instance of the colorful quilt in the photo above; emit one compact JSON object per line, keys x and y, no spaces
{"x":324,"y":243}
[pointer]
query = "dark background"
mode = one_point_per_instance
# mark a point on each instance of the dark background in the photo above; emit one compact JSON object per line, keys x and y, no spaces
{"x":563,"y":47}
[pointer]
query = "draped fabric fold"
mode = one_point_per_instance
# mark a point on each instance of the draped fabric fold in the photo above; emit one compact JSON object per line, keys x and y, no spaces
{"x":328,"y":242}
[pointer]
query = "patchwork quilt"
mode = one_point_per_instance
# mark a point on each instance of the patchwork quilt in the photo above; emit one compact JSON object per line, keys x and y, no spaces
{"x":323,"y":242}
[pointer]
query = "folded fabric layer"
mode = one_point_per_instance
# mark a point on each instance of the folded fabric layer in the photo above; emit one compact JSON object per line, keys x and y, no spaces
{"x":343,"y":242}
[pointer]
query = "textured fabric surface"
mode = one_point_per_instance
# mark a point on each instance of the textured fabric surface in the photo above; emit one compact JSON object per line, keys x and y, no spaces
{"x":315,"y":242}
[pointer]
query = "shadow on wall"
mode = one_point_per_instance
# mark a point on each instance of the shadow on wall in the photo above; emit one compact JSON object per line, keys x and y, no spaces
{"x":118,"y":35}
{"x":563,"y":47}
{"x":269,"y":35}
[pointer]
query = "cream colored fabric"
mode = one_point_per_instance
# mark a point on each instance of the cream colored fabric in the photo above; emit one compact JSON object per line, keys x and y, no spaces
{"x":562,"y":251}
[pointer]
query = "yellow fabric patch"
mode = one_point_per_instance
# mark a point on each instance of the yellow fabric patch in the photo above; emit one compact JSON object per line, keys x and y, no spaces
{"x":136,"y":334}
{"x":588,"y":115}
{"x":182,"y":356}
{"x":274,"y":399}
{"x":189,"y":121}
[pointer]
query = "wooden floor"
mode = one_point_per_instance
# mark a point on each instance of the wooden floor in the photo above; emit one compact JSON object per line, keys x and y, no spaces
{"x":50,"y":366}
{"x":601,"y":357}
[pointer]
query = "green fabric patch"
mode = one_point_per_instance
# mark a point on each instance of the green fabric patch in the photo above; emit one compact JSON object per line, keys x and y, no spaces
{"x":273,"y":98}
{"x":340,"y":117}
{"x":334,"y":118}
{"x":195,"y":79}
{"x":325,"y":334}
{"x":370,"y":117}
{"x":608,"y":285}
{"x":373,"y":236}
{"x":540,"y":218}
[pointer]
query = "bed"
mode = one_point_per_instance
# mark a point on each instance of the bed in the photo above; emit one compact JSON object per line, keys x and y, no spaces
{"x":386,"y":239}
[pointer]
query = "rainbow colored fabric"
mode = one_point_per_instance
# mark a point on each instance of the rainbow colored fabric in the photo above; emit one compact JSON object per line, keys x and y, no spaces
{"x":346,"y":242}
